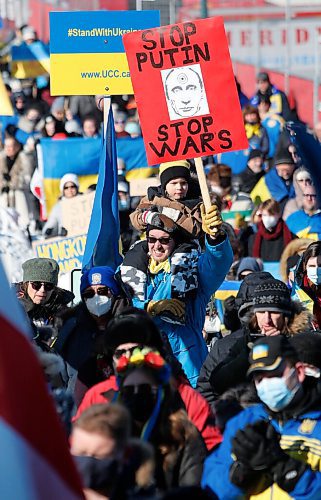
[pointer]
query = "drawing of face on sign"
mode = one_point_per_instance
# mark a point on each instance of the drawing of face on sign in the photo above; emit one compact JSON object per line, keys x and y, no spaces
{"x":185,"y":92}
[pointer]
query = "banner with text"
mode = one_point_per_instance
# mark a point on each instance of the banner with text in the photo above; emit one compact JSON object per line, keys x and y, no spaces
{"x":87,"y":55}
{"x":183,"y":73}
{"x":68,"y":252}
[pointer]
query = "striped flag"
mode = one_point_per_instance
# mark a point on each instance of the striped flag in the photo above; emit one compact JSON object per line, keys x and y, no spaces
{"x":34,"y":459}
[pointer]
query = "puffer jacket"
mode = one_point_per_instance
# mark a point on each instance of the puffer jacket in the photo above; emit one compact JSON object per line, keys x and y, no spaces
{"x":300,"y":438}
{"x":186,"y":340}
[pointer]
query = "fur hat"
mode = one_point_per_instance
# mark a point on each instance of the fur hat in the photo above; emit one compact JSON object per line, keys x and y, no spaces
{"x":173,"y":170}
{"x":40,"y":269}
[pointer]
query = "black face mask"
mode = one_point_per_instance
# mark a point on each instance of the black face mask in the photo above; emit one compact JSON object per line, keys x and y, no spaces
{"x":97,"y":474}
{"x":140,"y":401}
{"x":225,"y":182}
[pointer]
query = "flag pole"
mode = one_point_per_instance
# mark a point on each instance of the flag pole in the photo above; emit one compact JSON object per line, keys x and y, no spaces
{"x":203,"y":183}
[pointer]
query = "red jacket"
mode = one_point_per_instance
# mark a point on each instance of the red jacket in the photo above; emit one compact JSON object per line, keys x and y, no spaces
{"x":197,"y":408}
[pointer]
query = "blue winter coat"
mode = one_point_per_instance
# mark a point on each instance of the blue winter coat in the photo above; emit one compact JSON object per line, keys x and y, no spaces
{"x":300,"y":438}
{"x":187,"y":340}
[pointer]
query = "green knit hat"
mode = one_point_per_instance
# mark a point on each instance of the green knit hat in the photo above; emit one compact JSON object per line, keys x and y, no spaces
{"x":40,"y":269}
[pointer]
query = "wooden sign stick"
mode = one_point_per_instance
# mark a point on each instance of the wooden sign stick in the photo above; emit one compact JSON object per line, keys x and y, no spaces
{"x":203,"y":184}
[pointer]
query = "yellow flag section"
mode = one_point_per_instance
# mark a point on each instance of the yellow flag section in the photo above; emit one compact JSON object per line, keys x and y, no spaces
{"x":5,"y":104}
{"x":87,"y":49}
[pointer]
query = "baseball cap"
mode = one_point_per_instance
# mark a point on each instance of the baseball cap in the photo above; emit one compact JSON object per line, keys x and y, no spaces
{"x":269,"y":353}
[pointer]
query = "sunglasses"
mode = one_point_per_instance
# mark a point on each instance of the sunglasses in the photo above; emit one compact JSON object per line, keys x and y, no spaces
{"x":72,"y":186}
{"x":127,"y":352}
{"x":163,"y":241}
{"x":36,"y":285}
{"x":303,"y":179}
{"x":139,"y":389}
{"x":89,"y":294}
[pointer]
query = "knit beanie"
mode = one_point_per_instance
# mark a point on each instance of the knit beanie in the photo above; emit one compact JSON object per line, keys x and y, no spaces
{"x":308,"y":346}
{"x":68,"y":178}
{"x":173,"y":170}
{"x":272,"y":295}
{"x":255,"y":153}
{"x":283,"y":156}
{"x":163,"y":223}
{"x":100,"y":275}
{"x":40,"y":269}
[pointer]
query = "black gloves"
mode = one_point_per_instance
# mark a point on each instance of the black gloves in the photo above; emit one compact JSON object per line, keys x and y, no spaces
{"x":257,"y":448}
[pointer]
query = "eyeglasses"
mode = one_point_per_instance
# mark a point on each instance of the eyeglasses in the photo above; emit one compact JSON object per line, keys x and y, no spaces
{"x":36,"y":285}
{"x":139,"y":389}
{"x":128,"y":352}
{"x":310,"y":195}
{"x":71,"y":186}
{"x":303,"y":179}
{"x":163,"y":241}
{"x":90,"y":293}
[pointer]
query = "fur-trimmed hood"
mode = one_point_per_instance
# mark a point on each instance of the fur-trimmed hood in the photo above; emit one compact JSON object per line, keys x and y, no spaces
{"x":297,"y":246}
{"x":300,"y":321}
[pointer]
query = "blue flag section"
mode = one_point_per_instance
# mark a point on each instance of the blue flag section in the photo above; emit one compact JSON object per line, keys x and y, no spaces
{"x":309,"y":150}
{"x":102,"y":246}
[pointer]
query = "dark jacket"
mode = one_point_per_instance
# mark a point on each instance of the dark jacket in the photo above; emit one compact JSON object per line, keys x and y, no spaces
{"x":80,"y":342}
{"x":217,"y":354}
{"x":226,"y":368}
{"x":249,"y":179}
{"x":44,"y":314}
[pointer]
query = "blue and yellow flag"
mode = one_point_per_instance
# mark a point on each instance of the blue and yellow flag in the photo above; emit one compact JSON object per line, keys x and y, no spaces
{"x":102,"y":246}
{"x":59,"y":157}
{"x":81,"y":156}
{"x":30,"y":61}
{"x":132,"y":151}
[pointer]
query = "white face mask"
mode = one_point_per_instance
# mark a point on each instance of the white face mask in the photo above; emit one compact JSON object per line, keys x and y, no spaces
{"x":269,"y":221}
{"x":98,"y":305}
{"x":314,"y":275}
{"x":212,"y":325}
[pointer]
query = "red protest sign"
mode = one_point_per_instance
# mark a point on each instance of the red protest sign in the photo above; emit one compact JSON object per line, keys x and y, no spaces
{"x":185,"y":90}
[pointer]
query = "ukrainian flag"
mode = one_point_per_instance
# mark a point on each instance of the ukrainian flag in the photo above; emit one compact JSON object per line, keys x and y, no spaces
{"x":59,"y":157}
{"x":227,"y":289}
{"x":5,"y":104}
{"x":30,"y":61}
{"x":81,"y":157}
{"x":132,"y":151}
{"x":271,"y":186}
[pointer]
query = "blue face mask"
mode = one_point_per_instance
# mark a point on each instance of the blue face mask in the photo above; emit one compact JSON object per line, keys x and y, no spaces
{"x":314,"y":275}
{"x":275,"y":393}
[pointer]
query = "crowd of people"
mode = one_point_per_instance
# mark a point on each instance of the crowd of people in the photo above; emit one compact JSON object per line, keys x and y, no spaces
{"x":165,"y":390}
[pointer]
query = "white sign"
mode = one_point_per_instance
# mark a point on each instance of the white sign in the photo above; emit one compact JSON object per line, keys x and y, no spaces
{"x":268,"y":44}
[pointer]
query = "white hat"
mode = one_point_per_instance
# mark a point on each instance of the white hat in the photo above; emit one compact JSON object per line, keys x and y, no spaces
{"x":123,"y":187}
{"x":28,"y":33}
{"x":68,"y":178}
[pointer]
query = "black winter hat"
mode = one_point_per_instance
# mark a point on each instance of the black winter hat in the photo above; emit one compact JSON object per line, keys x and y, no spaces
{"x":268,"y":353}
{"x":255,"y":153}
{"x":308,"y":347}
{"x":272,"y":295}
{"x":283,"y":156}
{"x":244,"y":298}
{"x":133,"y":325}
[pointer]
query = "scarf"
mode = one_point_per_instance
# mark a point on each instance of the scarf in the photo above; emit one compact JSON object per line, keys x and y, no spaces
{"x":281,"y":229}
{"x":252,"y":129}
{"x":154,"y":267}
{"x":183,"y":269}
